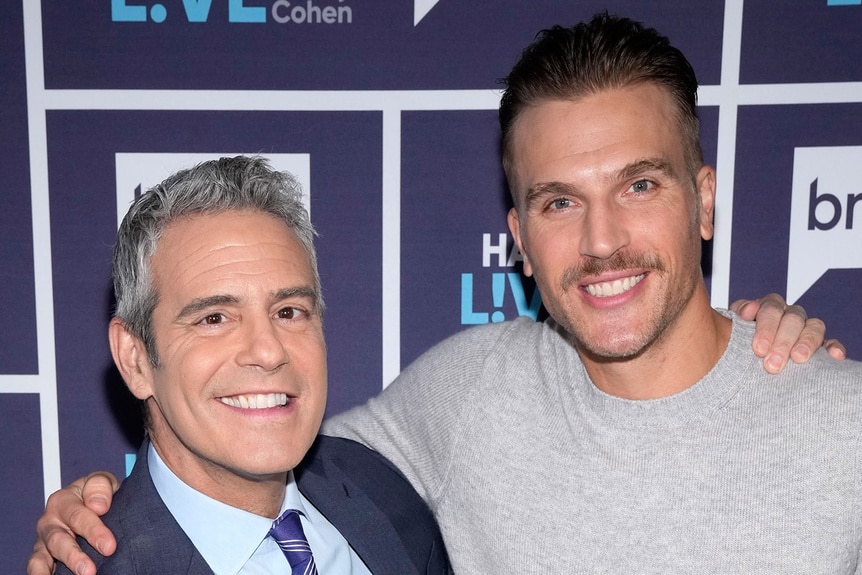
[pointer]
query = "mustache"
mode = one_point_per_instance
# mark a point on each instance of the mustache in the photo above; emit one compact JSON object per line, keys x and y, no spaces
{"x":619,"y":261}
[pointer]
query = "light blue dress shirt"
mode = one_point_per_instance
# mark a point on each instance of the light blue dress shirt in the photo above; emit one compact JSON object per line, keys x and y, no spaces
{"x":235,"y":542}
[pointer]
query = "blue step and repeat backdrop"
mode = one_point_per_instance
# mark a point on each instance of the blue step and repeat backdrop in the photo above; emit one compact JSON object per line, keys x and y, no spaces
{"x":386,"y":111}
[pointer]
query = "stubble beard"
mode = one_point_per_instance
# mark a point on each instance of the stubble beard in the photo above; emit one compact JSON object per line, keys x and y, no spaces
{"x":628,"y":341}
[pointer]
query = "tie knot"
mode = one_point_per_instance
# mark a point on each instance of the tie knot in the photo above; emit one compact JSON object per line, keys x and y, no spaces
{"x":288,"y":533}
{"x":287,"y":521}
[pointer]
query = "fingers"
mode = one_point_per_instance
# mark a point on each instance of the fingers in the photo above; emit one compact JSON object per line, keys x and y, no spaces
{"x":745,"y":308}
{"x":836,"y":349}
{"x":809,"y":340}
{"x":791,"y":336}
{"x":40,"y":562}
{"x":98,"y":491}
{"x":768,"y":313}
{"x":785,"y":332}
{"x":65,"y":515}
{"x":63,"y":545}
{"x":782,"y":330}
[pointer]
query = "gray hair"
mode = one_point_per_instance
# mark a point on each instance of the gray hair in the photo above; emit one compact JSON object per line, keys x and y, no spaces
{"x":216,"y":186}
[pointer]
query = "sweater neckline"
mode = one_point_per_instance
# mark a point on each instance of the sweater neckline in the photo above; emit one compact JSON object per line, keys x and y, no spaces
{"x":695,"y":403}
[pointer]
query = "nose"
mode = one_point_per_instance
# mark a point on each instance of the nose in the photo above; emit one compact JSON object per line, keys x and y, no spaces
{"x":604,"y":231}
{"x":261,"y":345}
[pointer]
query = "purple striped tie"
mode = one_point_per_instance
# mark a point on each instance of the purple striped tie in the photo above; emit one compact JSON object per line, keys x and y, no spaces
{"x":287,"y":532}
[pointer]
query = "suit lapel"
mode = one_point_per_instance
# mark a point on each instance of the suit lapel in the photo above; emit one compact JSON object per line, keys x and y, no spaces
{"x":368,"y":530}
{"x":158,"y":543}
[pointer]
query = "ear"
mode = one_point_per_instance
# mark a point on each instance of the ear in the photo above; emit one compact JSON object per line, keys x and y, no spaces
{"x":706,"y":190}
{"x":131,"y":359}
{"x":515,"y":228}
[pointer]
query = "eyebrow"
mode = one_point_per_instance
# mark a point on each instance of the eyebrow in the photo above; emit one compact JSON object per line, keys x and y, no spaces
{"x":198,"y":305}
{"x":645,"y":165}
{"x":541,"y":189}
{"x":302,"y":291}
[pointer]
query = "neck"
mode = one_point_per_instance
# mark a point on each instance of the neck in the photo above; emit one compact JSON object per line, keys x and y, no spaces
{"x":258,"y":494}
{"x":680,"y":356}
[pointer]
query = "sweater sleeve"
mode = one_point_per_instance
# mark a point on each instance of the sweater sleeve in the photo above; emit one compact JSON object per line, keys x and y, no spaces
{"x":418,"y":421}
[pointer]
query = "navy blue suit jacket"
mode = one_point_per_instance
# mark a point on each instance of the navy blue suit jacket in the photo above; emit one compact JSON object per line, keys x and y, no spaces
{"x":359,"y":491}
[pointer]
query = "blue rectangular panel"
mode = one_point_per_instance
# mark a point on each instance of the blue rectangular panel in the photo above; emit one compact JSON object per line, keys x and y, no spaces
{"x":453,"y":193}
{"x":18,"y":353}
{"x":21,"y":479}
{"x":790,"y":42}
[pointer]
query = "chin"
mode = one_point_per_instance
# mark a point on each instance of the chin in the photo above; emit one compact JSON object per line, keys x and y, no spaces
{"x":278,"y":456}
{"x":264,"y":469}
{"x":612,"y":349}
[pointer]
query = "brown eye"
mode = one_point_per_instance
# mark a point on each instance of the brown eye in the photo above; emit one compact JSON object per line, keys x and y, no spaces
{"x":213,"y":318}
{"x":288,"y":313}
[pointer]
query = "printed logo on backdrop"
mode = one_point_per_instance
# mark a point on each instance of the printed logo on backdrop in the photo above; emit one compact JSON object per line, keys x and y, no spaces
{"x":280,"y":11}
{"x":482,"y":305}
{"x":137,"y":173}
{"x":825,"y":215}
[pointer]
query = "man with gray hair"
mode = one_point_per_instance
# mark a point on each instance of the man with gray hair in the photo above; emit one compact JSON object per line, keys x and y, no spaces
{"x":218,"y":330}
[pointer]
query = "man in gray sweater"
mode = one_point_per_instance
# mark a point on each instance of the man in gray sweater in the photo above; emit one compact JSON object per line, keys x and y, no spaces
{"x":635,"y":431}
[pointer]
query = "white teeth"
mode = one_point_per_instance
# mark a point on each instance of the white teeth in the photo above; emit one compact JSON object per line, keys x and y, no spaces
{"x":255,"y":401}
{"x":616,"y":287}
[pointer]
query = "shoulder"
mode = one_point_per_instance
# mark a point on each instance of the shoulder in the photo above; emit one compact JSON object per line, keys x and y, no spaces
{"x":362,"y":475}
{"x":472,"y":348}
{"x":820,"y":367}
{"x":489,"y":336}
{"x":149,"y":540}
{"x":839,"y":377}
{"x":445,"y":376}
{"x":135,"y":501}
{"x":363,"y":466}
{"x":447,"y":379}
{"x":122,"y":561}
{"x":823,"y":385}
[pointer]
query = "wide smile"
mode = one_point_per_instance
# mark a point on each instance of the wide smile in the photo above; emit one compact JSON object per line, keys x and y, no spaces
{"x":615,"y":287}
{"x":256,"y":400}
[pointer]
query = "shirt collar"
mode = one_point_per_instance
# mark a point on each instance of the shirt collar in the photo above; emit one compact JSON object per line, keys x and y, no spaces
{"x":225,"y":536}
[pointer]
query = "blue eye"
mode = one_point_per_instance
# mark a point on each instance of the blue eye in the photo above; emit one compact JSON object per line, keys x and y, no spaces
{"x":641,"y":186}
{"x":560,"y":203}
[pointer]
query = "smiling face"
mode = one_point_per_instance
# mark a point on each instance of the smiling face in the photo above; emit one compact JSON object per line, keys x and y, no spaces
{"x":240,"y":392}
{"x":608,"y":216}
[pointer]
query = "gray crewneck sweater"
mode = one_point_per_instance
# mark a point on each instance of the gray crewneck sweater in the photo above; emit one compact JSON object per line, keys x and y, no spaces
{"x":531,"y":469}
